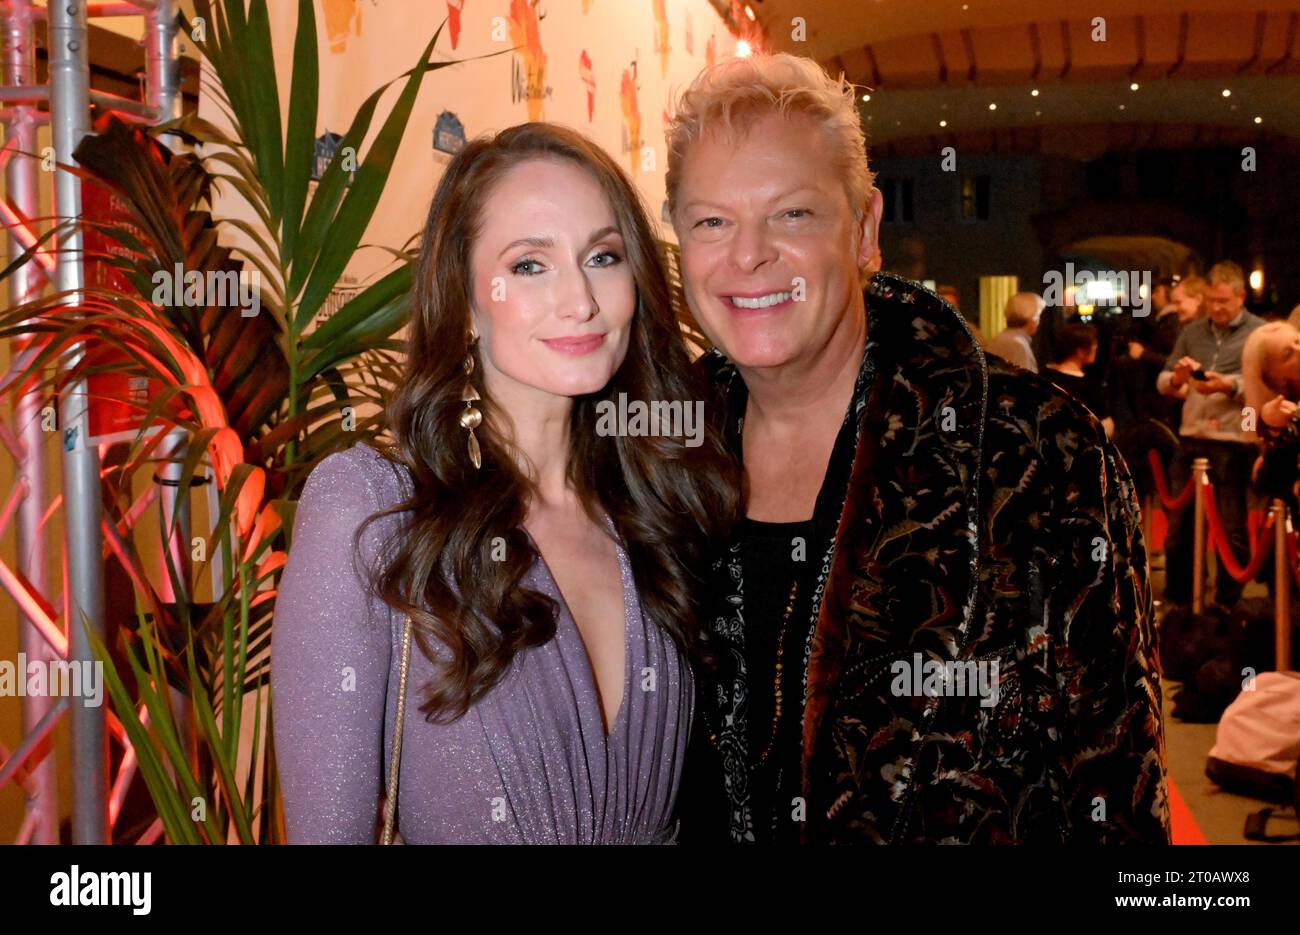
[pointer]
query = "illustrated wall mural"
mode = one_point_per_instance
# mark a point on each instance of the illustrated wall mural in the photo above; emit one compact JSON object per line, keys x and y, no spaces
{"x":608,"y":68}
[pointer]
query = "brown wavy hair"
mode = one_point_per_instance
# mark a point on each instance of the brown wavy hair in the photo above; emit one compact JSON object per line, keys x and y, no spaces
{"x":667,"y":501}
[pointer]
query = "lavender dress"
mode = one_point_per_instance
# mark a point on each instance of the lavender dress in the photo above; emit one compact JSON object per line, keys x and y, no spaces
{"x":529,"y":763}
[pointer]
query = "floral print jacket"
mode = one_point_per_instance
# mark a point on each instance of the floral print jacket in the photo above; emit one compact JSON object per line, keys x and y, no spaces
{"x":987,"y":519}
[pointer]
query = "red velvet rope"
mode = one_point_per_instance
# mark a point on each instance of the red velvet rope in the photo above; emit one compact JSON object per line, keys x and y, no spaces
{"x":1220,"y":539}
{"x":1258,"y":554}
{"x":1162,"y":488}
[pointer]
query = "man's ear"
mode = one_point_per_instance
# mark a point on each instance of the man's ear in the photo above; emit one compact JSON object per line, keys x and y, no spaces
{"x":869,"y":258}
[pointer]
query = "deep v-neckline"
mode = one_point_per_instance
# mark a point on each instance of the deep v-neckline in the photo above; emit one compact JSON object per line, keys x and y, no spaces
{"x":607,"y":732}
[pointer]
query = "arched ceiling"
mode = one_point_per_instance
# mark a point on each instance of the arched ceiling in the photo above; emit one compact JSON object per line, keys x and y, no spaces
{"x":920,"y":43}
{"x":1130,"y":252}
{"x":927,"y":61}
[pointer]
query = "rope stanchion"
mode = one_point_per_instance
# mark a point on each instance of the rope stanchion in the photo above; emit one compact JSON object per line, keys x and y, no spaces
{"x":1293,"y":556}
{"x":1200,"y":478}
{"x":1169,"y":503}
{"x":1284,"y":541}
{"x":1259,"y":553}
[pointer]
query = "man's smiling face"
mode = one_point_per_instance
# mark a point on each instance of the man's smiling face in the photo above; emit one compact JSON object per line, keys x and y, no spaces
{"x":770,"y":246}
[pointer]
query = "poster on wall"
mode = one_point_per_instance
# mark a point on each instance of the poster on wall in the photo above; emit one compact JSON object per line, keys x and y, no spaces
{"x":117,"y":402}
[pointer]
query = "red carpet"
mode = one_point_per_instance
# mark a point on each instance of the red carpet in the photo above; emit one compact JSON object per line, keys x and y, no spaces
{"x":1185,"y":828}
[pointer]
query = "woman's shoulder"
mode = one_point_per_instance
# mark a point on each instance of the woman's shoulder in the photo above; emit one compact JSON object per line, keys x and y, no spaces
{"x":346,"y":492}
{"x":382,"y":475}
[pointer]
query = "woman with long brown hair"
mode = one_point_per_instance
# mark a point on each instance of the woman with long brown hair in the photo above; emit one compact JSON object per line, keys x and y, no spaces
{"x":547,"y":556}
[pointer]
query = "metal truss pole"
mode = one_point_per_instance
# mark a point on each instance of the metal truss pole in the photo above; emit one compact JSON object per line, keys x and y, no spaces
{"x":162,"y":73}
{"x":21,"y":185}
{"x":69,"y":97}
{"x":69,"y":122}
{"x":162,"y":87}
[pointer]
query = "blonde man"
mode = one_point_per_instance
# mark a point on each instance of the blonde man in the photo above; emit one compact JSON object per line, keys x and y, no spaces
{"x":933,"y":623}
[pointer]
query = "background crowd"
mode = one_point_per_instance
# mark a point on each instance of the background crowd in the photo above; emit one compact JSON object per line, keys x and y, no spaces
{"x":1200,"y":376}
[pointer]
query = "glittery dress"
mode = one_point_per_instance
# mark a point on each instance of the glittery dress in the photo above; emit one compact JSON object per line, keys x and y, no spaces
{"x":529,"y":763}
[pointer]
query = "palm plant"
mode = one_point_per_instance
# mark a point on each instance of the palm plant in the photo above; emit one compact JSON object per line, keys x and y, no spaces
{"x":258,"y":401}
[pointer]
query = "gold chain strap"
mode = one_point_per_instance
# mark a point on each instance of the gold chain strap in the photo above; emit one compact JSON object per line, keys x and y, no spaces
{"x":390,"y":803}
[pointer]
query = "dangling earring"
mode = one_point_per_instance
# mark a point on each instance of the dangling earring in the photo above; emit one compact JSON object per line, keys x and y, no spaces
{"x":471,"y":417}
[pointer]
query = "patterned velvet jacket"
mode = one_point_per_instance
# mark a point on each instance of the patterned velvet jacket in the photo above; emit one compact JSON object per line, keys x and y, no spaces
{"x":987,"y":519}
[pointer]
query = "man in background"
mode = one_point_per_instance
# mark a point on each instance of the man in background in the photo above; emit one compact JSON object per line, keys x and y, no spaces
{"x":1204,"y":371}
{"x":1024,"y":309}
{"x":1157,"y":343}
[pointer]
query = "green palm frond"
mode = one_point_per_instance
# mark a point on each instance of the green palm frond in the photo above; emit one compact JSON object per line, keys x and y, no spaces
{"x":266,"y":396}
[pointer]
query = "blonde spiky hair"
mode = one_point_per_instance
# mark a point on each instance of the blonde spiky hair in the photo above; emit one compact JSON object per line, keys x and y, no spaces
{"x":733,"y":93}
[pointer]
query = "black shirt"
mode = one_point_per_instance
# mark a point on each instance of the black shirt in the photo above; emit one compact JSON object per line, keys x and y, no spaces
{"x":1083,"y":389}
{"x":769,"y":565}
{"x":774,"y":556}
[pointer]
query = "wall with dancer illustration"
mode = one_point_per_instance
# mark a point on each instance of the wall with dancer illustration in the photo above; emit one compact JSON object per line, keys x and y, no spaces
{"x":608,"y":68}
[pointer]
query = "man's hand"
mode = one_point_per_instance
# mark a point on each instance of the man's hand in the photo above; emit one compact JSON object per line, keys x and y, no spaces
{"x":1277,"y":412}
{"x":1183,"y":371}
{"x":1214,"y":383}
{"x":1135,"y":350}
